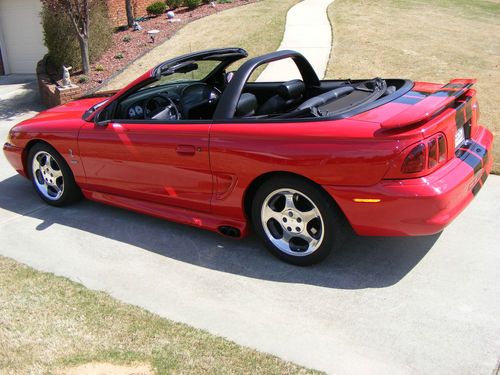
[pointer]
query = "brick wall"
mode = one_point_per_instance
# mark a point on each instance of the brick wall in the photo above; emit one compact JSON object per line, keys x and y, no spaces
{"x":52,"y":95}
{"x":118,"y":14}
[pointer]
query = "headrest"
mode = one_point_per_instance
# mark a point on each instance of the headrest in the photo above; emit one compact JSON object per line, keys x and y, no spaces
{"x":291,"y":89}
{"x":246,"y":105}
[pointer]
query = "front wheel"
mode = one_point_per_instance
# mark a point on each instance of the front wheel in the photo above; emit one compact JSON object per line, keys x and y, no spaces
{"x":297,"y":221}
{"x":51,"y":176}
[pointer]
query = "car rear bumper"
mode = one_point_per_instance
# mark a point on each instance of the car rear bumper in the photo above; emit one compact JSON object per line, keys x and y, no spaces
{"x":419,"y":206}
{"x":14,"y":156}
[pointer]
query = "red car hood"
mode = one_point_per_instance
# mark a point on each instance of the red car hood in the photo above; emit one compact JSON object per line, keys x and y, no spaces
{"x":75,"y":108}
{"x":64,"y":114}
{"x":67,"y":117}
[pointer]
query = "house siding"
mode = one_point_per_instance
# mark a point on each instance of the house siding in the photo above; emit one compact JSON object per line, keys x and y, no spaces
{"x":2,"y":70}
{"x":21,"y":36}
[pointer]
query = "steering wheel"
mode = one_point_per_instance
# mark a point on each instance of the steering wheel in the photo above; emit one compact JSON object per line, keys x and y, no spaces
{"x":161,"y":107}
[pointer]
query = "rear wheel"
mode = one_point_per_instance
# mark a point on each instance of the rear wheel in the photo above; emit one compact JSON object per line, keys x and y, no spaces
{"x":297,"y":221}
{"x":51,"y":176}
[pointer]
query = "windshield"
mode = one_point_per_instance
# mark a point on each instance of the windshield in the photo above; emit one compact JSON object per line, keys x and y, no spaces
{"x":203,"y":69}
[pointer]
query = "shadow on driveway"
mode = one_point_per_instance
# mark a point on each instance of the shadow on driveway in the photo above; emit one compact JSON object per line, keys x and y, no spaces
{"x":364,"y":262}
{"x":18,"y":99}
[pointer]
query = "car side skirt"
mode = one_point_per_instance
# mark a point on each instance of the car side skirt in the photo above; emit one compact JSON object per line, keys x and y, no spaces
{"x":170,"y":213}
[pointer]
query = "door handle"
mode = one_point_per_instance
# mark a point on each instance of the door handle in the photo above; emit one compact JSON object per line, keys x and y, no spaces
{"x":185,"y":149}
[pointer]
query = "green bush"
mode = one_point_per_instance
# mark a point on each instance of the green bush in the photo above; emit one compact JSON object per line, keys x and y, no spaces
{"x":61,"y":40}
{"x":173,"y":4}
{"x":83,"y":79}
{"x":191,"y":4}
{"x":157,"y":8}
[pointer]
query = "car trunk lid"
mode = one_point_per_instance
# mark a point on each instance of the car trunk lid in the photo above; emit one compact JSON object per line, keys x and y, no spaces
{"x":423,"y":106}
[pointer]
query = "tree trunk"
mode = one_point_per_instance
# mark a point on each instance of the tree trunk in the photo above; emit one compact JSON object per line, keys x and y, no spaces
{"x":84,"y":50}
{"x":130,"y":15}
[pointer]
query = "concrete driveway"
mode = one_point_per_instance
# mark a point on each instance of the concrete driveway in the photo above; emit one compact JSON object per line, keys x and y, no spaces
{"x":381,"y":305}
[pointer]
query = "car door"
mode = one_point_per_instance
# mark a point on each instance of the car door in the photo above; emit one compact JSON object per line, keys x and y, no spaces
{"x":165,"y":163}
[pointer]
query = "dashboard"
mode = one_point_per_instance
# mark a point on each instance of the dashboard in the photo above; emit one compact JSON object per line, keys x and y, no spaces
{"x":136,"y":111}
{"x":193,"y":100}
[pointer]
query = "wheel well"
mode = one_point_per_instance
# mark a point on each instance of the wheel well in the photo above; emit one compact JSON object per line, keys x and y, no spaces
{"x":26,"y":152}
{"x":256,"y":183}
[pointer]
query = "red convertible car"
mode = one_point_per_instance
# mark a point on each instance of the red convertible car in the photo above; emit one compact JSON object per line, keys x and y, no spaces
{"x":194,"y":142}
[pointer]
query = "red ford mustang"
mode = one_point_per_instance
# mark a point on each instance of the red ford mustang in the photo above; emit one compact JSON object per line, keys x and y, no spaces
{"x":193,"y":142}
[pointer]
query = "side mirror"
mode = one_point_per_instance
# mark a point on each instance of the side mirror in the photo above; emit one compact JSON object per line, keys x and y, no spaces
{"x":103,"y":123}
{"x":102,"y":118}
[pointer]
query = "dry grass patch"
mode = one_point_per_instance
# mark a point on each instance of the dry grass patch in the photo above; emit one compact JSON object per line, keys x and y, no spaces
{"x":106,"y":369}
{"x":256,"y":27}
{"x":49,"y":324}
{"x":424,"y":40}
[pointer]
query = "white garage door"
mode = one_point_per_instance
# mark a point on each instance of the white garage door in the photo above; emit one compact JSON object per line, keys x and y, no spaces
{"x":21,"y":35}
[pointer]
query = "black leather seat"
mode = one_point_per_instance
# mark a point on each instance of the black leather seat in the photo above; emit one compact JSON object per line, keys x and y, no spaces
{"x":287,"y":96}
{"x":246,"y":105}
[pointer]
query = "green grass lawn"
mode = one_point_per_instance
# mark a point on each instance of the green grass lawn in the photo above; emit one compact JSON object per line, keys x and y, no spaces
{"x":49,"y":323}
{"x":424,"y":40}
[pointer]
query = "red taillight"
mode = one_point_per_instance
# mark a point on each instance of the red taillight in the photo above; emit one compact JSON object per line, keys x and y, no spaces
{"x":427,"y":154}
{"x":442,"y":148}
{"x":433,"y":152}
{"x":415,"y":161}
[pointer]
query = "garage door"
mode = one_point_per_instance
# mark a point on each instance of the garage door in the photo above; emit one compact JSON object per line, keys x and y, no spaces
{"x":21,"y":35}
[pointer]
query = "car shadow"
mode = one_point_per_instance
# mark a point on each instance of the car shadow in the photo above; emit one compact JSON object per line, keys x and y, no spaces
{"x":24,"y":100}
{"x":363,"y":262}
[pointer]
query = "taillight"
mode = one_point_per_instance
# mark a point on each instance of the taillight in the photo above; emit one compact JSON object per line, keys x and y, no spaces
{"x":415,"y":161}
{"x":442,"y":148}
{"x":427,"y":154}
{"x":432,"y":146}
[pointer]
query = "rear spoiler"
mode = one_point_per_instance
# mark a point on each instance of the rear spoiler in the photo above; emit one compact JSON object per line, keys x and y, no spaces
{"x":428,"y":107}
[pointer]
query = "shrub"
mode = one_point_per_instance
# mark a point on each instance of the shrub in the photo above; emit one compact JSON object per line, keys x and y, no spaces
{"x":99,"y":68}
{"x":191,"y":4}
{"x":127,"y":38}
{"x":173,"y":4}
{"x":157,"y":8}
{"x":83,"y":79}
{"x":119,"y":56}
{"x":61,"y":40}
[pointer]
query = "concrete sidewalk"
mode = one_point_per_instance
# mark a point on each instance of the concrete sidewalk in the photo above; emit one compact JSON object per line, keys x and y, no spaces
{"x":307,"y":31}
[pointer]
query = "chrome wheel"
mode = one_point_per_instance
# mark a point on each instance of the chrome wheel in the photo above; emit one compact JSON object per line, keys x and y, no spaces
{"x":47,"y":176}
{"x":292,"y":222}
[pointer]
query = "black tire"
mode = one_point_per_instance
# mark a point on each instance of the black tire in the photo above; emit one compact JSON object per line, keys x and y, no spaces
{"x":332,"y":219}
{"x":70,"y":191}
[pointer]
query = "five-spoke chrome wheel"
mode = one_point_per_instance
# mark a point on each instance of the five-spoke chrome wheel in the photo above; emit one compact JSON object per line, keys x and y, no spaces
{"x":296,"y":219}
{"x":292,"y":222}
{"x":51,"y":176}
{"x":47,"y":175}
